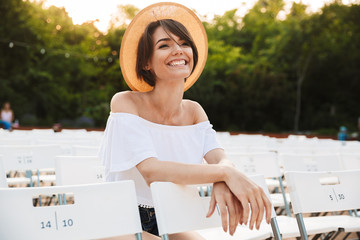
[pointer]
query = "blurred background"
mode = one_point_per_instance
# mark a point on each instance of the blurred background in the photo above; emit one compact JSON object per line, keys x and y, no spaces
{"x":277,"y":67}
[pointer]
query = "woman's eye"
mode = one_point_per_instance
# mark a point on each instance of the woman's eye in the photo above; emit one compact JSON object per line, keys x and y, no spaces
{"x":185,"y":44}
{"x":163,"y":46}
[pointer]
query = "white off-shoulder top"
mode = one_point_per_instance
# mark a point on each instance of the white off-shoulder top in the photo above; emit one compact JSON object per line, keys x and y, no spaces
{"x":130,"y":139}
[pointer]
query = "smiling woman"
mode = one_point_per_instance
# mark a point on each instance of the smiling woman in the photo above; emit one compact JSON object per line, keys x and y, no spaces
{"x":153,"y":134}
{"x":166,"y":40}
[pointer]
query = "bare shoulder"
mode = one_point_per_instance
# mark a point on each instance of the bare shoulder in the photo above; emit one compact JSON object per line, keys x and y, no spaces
{"x":124,"y":102}
{"x":196,"y":111}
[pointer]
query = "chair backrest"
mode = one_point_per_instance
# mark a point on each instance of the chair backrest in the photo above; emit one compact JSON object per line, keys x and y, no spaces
{"x":81,"y":150}
{"x":311,"y":162}
{"x":256,"y":163}
{"x":3,"y":182}
{"x":71,"y":170}
{"x":323,"y":191}
{"x":99,"y":210}
{"x":180,"y":208}
{"x":25,"y":157}
{"x":350,"y":161}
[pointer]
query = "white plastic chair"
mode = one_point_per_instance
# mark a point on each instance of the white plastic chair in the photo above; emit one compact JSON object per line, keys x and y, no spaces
{"x":311,"y":162}
{"x":81,"y":150}
{"x":99,"y":211}
{"x":29,"y":157}
{"x":3,"y":182}
{"x":71,"y":170}
{"x":350,"y":161}
{"x":266,"y":164}
{"x":314,"y":192}
{"x":179,"y":208}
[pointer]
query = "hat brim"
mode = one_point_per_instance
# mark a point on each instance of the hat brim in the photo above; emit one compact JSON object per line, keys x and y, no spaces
{"x":152,"y":13}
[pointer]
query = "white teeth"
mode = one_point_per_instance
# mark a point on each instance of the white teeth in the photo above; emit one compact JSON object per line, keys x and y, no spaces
{"x":176,"y":63}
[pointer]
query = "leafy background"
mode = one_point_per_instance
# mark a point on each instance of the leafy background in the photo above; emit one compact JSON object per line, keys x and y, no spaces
{"x":263,"y":74}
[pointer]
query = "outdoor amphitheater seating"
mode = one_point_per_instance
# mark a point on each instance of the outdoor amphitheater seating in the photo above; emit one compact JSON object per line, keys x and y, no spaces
{"x":350,"y":161}
{"x":3,"y":182}
{"x":85,"y":150}
{"x":317,"y":192}
{"x":265,"y":163}
{"x":71,"y":170}
{"x":95,"y":211}
{"x":180,"y":208}
{"x":29,"y":158}
{"x":311,"y":162}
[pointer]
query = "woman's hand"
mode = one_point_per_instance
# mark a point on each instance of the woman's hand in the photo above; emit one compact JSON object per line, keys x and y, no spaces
{"x":228,"y":204}
{"x":251,"y":196}
{"x":245,"y":190}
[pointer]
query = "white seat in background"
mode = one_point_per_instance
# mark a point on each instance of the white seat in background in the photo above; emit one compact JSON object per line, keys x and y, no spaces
{"x":311,"y":162}
{"x":350,"y":161}
{"x":33,"y":157}
{"x":310,"y":193}
{"x":3,"y":182}
{"x":98,"y":211}
{"x":266,"y":164}
{"x":180,"y":208}
{"x":82,"y":150}
{"x":78,"y":170}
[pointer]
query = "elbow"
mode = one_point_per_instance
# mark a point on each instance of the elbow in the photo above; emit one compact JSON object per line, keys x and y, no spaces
{"x":148,"y":177}
{"x":148,"y":171}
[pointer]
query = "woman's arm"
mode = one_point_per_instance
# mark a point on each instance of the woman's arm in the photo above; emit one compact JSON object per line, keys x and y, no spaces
{"x":230,"y":207}
{"x":181,"y":173}
{"x":246,"y":192}
{"x":245,"y":186}
{"x":12,"y":116}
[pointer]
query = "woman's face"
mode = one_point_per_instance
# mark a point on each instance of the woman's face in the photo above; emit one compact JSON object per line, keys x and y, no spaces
{"x":171,"y":59}
{"x":7,"y":106}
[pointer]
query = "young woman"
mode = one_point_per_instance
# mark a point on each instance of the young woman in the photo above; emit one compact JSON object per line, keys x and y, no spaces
{"x":153,"y":134}
{"x":6,"y":116}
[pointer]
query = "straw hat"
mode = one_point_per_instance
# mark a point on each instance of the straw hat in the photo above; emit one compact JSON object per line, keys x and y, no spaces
{"x":152,"y":13}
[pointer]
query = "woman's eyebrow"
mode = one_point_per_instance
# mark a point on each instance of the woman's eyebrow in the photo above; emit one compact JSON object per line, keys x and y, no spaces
{"x":162,"y":39}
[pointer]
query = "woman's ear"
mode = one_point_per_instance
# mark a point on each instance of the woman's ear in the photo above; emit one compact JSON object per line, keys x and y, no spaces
{"x":147,"y":67}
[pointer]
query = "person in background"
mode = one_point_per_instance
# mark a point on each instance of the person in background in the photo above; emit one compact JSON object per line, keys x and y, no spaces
{"x":7,"y":116}
{"x":358,"y":128}
{"x":342,"y":135}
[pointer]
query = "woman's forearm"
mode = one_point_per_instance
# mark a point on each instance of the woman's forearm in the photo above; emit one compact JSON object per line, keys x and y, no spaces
{"x":180,"y":173}
{"x":218,"y":156}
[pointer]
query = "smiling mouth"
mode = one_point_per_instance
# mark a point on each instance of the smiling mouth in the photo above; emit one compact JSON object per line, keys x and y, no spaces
{"x":177,"y":63}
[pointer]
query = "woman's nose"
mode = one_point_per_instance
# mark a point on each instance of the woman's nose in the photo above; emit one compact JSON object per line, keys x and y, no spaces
{"x":177,"y":49}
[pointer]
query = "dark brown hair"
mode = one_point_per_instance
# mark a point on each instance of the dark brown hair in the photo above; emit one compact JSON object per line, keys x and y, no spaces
{"x":145,"y":46}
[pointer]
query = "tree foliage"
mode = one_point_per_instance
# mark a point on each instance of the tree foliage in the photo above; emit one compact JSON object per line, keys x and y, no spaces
{"x":263,"y":73}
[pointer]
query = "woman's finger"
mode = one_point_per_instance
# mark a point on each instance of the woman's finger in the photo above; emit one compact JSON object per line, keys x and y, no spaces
{"x":261,"y":205}
{"x":268,"y":207}
{"x":211,"y":206}
{"x":223,"y":213}
{"x":245,"y":205}
{"x":254,"y":211}
{"x":232,"y":211}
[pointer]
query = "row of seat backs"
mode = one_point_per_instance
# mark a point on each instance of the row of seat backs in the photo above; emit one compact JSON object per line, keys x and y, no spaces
{"x":25,"y":157}
{"x":269,"y":163}
{"x":320,"y":182}
{"x":98,"y":210}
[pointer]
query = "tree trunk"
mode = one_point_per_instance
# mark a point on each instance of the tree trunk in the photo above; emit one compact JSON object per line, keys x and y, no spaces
{"x":301,"y":76}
